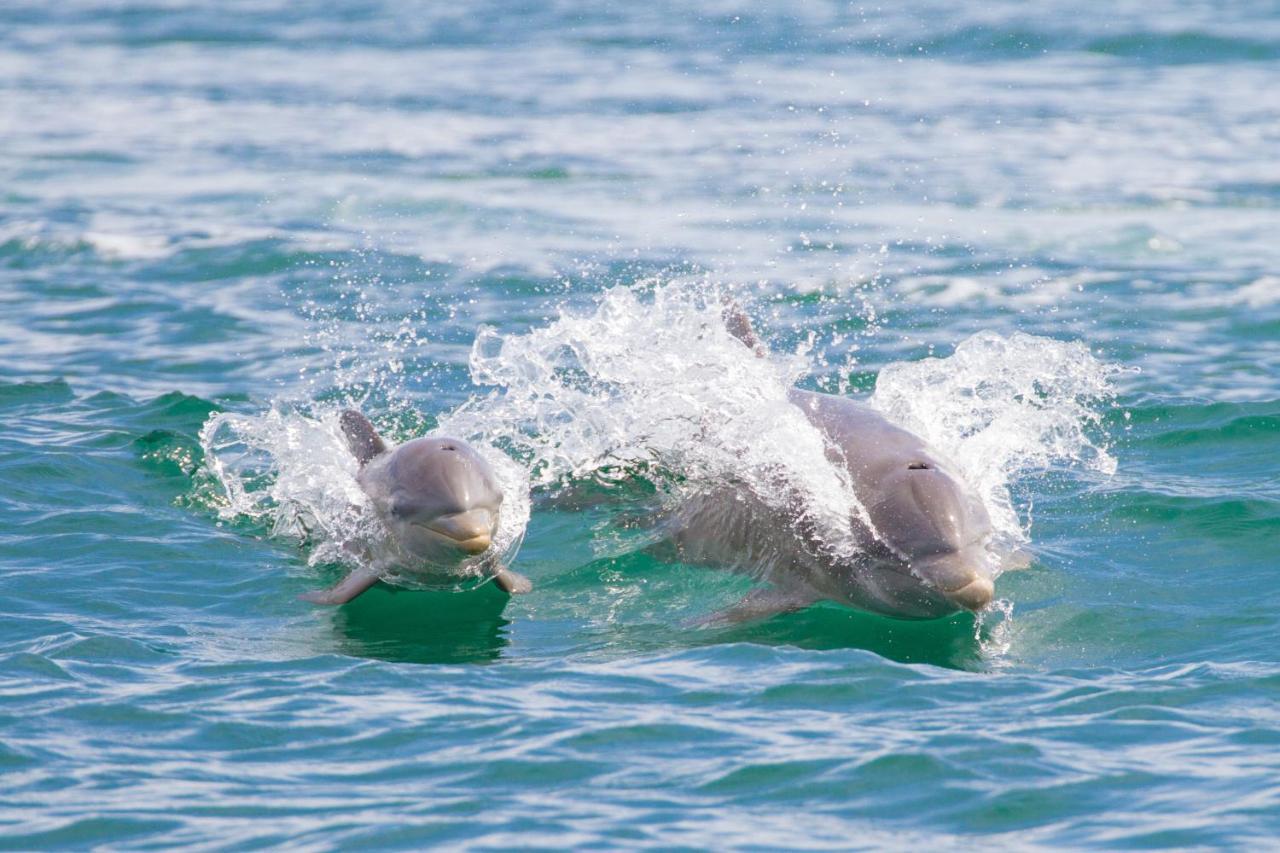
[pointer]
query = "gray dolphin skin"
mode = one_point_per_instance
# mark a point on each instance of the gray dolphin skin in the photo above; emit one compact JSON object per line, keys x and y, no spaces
{"x":924,"y":555}
{"x":439,"y":501}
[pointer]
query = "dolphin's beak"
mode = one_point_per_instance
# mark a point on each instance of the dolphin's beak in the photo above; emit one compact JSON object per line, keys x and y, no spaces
{"x":974,"y":595}
{"x":470,"y":531}
{"x":959,"y":578}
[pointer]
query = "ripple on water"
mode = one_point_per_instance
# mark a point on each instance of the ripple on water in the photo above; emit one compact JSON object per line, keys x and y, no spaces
{"x":303,"y":204}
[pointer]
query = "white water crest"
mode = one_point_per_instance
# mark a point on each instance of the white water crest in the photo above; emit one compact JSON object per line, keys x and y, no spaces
{"x":1004,"y":408}
{"x":651,"y":381}
{"x":291,"y":471}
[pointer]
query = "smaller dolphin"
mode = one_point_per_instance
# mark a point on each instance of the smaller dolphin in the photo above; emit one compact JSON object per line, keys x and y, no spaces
{"x":439,"y":501}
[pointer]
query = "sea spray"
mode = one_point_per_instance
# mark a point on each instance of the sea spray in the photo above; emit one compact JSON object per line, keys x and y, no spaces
{"x":650,"y":384}
{"x":1002,"y":409}
{"x":650,"y":381}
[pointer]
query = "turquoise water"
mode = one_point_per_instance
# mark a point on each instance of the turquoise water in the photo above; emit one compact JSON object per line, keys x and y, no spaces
{"x":240,"y":208}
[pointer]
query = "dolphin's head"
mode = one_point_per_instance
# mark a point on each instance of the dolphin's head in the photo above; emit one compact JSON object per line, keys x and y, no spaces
{"x":940,"y":529}
{"x":441,"y":499}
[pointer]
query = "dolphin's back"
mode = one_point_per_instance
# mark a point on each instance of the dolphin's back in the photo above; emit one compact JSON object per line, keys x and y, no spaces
{"x":861,"y":439}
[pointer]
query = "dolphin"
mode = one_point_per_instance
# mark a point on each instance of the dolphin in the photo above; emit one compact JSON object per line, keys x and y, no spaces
{"x":439,"y":502}
{"x":925,"y":552}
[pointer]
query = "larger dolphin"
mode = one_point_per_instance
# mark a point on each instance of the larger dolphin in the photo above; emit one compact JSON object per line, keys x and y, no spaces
{"x":923,"y":555}
{"x":439,"y":503}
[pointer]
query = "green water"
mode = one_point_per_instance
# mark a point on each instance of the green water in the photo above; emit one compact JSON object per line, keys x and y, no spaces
{"x":219,"y":210}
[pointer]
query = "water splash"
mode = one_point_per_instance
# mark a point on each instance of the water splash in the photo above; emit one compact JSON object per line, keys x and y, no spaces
{"x":1004,"y":409}
{"x":652,"y":382}
{"x":650,"y":385}
{"x":290,"y":471}
{"x":993,"y":632}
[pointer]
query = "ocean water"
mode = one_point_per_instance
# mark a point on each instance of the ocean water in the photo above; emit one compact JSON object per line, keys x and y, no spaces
{"x":1042,"y":236}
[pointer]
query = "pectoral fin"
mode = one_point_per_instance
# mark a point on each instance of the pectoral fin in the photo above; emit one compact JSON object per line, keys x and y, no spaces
{"x":512,"y":583}
{"x":344,"y":590}
{"x":760,"y":604}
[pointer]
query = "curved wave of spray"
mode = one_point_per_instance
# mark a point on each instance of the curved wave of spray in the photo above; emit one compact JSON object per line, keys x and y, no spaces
{"x":1002,"y":408}
{"x":651,"y":381}
{"x":291,"y":471}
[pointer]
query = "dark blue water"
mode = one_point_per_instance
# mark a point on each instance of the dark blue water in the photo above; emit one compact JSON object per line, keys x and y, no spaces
{"x":247,"y":207}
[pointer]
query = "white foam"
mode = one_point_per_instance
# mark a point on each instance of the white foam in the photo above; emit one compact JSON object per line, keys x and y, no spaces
{"x":651,"y":379}
{"x":1003,"y":408}
{"x":1260,"y":293}
{"x":128,"y":246}
{"x":648,"y":381}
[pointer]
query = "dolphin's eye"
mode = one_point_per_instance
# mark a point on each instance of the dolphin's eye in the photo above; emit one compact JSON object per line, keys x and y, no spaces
{"x":404,"y":509}
{"x":919,"y":466}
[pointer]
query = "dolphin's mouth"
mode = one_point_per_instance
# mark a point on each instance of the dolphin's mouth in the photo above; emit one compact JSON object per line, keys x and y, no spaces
{"x":957,"y":579}
{"x":974,"y":595}
{"x":470,"y":531}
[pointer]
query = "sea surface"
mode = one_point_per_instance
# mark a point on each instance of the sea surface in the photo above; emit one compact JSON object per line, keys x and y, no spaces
{"x":1046,"y":236}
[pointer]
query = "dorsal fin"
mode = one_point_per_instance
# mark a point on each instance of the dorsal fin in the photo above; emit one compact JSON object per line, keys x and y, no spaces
{"x":362,"y":438}
{"x":739,"y":325}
